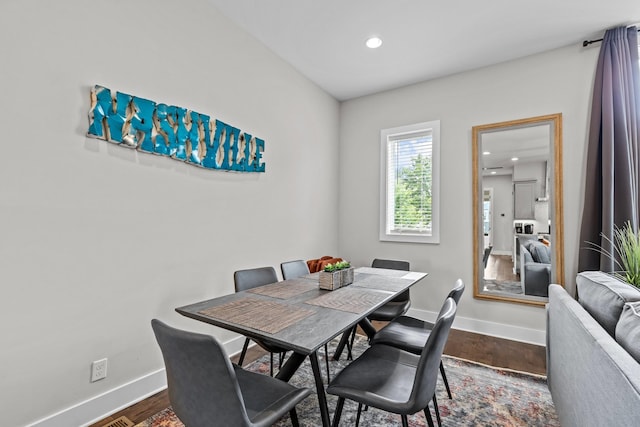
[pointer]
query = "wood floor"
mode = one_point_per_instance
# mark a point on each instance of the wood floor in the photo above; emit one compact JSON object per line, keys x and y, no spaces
{"x":480,"y":348}
{"x":500,"y":267}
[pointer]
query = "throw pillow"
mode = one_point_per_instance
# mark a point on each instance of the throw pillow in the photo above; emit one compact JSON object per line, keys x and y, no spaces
{"x":539,"y":252}
{"x":628,"y":329}
{"x":604,"y":296}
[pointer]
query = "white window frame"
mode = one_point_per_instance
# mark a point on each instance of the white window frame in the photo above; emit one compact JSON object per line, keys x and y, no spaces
{"x":388,"y":136}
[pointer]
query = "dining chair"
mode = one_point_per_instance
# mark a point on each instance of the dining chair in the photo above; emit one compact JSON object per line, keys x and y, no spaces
{"x":249,"y":279}
{"x":410,"y":334}
{"x":395,"y":380}
{"x":206,"y":389}
{"x":295,"y":269}
{"x":400,"y":304}
{"x":392,"y":309}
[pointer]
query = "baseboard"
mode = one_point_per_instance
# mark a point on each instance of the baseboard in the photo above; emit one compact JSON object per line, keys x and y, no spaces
{"x":494,"y":252}
{"x":99,"y":407}
{"x":499,"y":330}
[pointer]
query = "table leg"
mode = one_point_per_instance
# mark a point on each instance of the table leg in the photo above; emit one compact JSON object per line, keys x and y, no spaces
{"x":322,"y":397}
{"x":290,"y":366}
{"x":343,"y":341}
{"x":368,"y":328}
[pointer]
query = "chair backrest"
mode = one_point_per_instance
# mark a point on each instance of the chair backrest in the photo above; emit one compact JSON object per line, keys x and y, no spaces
{"x":293,"y":269}
{"x":391,"y":264}
{"x":254,"y":277}
{"x":202,"y":384}
{"x":428,"y":366}
{"x":457,"y":291}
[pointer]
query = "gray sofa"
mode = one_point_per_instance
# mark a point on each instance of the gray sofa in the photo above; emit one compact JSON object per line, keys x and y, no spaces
{"x":593,"y":348}
{"x":535,"y":268}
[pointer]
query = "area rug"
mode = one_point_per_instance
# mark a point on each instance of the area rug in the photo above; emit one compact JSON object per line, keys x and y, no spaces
{"x":482,"y":396}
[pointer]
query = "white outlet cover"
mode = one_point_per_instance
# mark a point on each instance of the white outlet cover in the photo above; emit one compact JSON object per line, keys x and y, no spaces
{"x":98,"y":370}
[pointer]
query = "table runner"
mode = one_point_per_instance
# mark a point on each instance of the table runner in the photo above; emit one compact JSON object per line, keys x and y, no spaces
{"x":286,"y":289}
{"x":265,"y":316}
{"x":384,"y":283}
{"x":350,"y":299}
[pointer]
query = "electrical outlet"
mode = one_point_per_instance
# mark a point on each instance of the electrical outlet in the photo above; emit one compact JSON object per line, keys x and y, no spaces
{"x":98,"y":370}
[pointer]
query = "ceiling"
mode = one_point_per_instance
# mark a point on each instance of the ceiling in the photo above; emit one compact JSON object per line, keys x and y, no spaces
{"x":422,"y":40}
{"x":498,"y":152}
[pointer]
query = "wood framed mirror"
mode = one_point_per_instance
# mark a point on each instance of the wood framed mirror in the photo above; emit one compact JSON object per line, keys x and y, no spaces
{"x":517,"y":209}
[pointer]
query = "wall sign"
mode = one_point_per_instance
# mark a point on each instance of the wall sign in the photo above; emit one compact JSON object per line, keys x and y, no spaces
{"x":172,"y":131}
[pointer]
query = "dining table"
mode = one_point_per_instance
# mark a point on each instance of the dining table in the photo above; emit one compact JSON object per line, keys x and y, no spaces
{"x":298,"y":315}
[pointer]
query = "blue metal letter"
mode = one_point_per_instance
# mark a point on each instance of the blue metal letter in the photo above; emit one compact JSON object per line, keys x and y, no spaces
{"x":142,"y":123}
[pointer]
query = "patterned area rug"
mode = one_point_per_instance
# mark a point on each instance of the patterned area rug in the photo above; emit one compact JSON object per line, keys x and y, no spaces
{"x":482,"y":396}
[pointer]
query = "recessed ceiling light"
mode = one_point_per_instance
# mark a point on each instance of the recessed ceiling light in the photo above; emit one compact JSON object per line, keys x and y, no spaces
{"x":493,"y":172}
{"x":514,"y":159}
{"x":486,"y":153}
{"x":374,"y":42}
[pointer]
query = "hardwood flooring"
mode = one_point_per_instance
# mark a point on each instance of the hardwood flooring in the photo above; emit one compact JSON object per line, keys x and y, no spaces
{"x":467,"y":345}
{"x":500,"y":268}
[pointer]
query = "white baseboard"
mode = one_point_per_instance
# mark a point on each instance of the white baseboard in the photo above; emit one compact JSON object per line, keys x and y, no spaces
{"x":99,"y":407}
{"x":500,"y":330}
{"x":501,"y":253}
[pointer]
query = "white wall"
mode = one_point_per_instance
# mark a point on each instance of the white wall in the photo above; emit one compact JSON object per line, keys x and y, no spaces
{"x":502,"y":205}
{"x":98,"y":239}
{"x":558,"y":81}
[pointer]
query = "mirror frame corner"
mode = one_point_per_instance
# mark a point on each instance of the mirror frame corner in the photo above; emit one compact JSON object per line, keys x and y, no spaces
{"x":557,"y":231}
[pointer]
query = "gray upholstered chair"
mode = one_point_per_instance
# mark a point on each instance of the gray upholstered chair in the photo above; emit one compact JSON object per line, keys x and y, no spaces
{"x":410,"y":334}
{"x":389,"y":311}
{"x":400,"y":304}
{"x":249,"y":279}
{"x":404,"y":383}
{"x":292,"y":270}
{"x":206,"y":390}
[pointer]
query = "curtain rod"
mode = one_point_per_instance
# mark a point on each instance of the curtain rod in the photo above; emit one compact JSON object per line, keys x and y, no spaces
{"x":588,"y":42}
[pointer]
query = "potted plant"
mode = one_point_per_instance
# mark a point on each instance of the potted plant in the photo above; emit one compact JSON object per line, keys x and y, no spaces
{"x":625,"y":253}
{"x":336,"y":275}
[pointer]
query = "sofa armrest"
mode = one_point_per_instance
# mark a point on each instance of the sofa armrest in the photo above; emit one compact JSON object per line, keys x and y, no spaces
{"x":537,"y":278}
{"x":593,"y":381}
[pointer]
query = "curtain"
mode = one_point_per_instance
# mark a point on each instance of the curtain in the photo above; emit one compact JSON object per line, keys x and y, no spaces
{"x":612,"y":174}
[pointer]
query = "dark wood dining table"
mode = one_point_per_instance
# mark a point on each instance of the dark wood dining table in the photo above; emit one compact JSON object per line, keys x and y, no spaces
{"x":298,"y":315}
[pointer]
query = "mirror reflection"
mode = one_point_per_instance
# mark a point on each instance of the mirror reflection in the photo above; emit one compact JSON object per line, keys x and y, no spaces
{"x":517,"y":181}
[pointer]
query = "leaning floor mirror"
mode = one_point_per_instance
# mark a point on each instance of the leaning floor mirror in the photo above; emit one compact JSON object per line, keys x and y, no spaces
{"x":517,"y":209}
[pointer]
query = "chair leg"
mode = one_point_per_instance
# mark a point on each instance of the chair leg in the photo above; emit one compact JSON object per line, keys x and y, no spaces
{"x":358,"y":414}
{"x":427,"y":415}
{"x":338,"y":412}
{"x":326,"y":361}
{"x":243,"y":353}
{"x":294,"y":417}
{"x":271,"y":364}
{"x":353,"y":338}
{"x":444,"y":379}
{"x":405,"y":422}
{"x":435,"y":405}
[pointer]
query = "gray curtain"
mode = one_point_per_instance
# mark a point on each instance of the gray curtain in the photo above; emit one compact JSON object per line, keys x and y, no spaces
{"x":612,"y":176}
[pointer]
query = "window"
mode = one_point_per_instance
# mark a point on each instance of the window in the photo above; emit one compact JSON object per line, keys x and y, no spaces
{"x":409,"y":187}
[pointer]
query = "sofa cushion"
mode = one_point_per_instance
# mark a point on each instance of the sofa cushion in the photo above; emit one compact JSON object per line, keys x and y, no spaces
{"x":604,"y":296}
{"x":539,"y":251}
{"x":628,"y":329}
